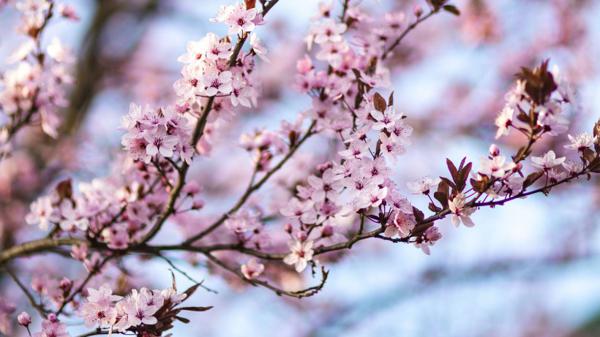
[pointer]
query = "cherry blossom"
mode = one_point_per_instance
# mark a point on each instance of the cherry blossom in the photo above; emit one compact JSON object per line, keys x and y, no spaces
{"x":547,"y":161}
{"x":581,"y":142}
{"x":460,"y":212}
{"x":423,"y":186}
{"x":252,"y":269}
{"x":301,"y":253}
{"x":299,"y":205}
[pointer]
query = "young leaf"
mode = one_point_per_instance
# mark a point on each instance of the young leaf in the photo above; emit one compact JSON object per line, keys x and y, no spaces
{"x":442,"y":198}
{"x":532,"y":178}
{"x":589,"y":155}
{"x":432,"y":207}
{"x":195,"y":308}
{"x":182,"y":319}
{"x":453,"y":170}
{"x":379,"y":102}
{"x":419,"y":216}
{"x":449,"y":182}
{"x":451,"y":9}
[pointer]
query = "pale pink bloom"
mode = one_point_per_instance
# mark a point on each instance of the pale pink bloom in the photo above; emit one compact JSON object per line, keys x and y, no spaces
{"x":392,"y":146}
{"x":304,"y":65}
{"x":328,"y":30}
{"x":217,"y":83}
{"x":58,"y":52}
{"x":327,"y":185}
{"x":252,"y":269}
{"x":357,"y":149}
{"x":394,"y":22}
{"x":238,"y":18}
{"x":102,"y":296}
{"x":159,"y":142}
{"x":258,"y":48}
{"x":548,"y":161}
{"x":400,"y":224}
{"x":302,"y":210}
{"x":460,"y":212}
{"x":430,"y":236}
{"x":172,"y":296}
{"x":504,"y":121}
{"x":384,"y":120}
{"x":423,"y":185}
{"x":511,"y":185}
{"x":141,"y":306}
{"x":372,"y":197}
{"x":51,"y":327}
{"x":495,"y":167}
{"x":553,"y":124}
{"x":333,"y":52}
{"x":42,"y":213}
{"x":20,"y":53}
{"x":95,"y":315}
{"x":72,"y":217}
{"x":243,"y":221}
{"x":581,"y":142}
{"x":573,"y":167}
{"x":300,"y":254}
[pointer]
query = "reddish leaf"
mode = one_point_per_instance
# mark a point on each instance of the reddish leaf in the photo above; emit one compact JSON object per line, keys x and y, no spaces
{"x":379,"y":102}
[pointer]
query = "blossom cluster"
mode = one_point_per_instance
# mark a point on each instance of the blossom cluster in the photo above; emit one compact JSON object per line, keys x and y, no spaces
{"x":33,"y":89}
{"x":115,"y":211}
{"x":217,"y":77}
{"x":157,"y":133}
{"x":535,"y":108}
{"x":142,"y":310}
{"x":349,"y":196}
{"x":359,"y":183}
{"x":52,"y":327}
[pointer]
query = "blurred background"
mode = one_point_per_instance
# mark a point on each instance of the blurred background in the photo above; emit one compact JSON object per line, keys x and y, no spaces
{"x":530,"y":268}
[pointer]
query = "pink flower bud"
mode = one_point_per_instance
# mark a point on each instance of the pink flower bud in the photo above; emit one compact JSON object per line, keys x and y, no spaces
{"x":302,"y":236}
{"x":418,"y":11}
{"x":24,"y":319}
{"x":65,"y":284}
{"x":52,"y":318}
{"x":68,"y":12}
{"x":79,"y":252}
{"x":198,"y":204}
{"x":494,"y":150}
{"x":327,"y":231}
{"x":304,"y":65}
{"x":518,"y":167}
{"x":191,"y":188}
{"x":288,"y":228}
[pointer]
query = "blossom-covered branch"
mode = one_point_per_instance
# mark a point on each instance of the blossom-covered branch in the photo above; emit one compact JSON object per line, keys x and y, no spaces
{"x":314,"y":218}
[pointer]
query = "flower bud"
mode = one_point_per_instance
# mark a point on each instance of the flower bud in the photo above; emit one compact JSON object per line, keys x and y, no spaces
{"x":327,"y":231}
{"x":418,"y":11}
{"x":494,"y":150}
{"x":65,"y":284}
{"x":24,"y":319}
{"x":304,"y":65}
{"x":52,"y":318}
{"x":302,"y":236}
{"x":198,"y":204}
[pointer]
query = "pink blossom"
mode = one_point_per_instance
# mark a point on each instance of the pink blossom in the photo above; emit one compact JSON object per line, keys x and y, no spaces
{"x":301,"y":253}
{"x":252,"y":269}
